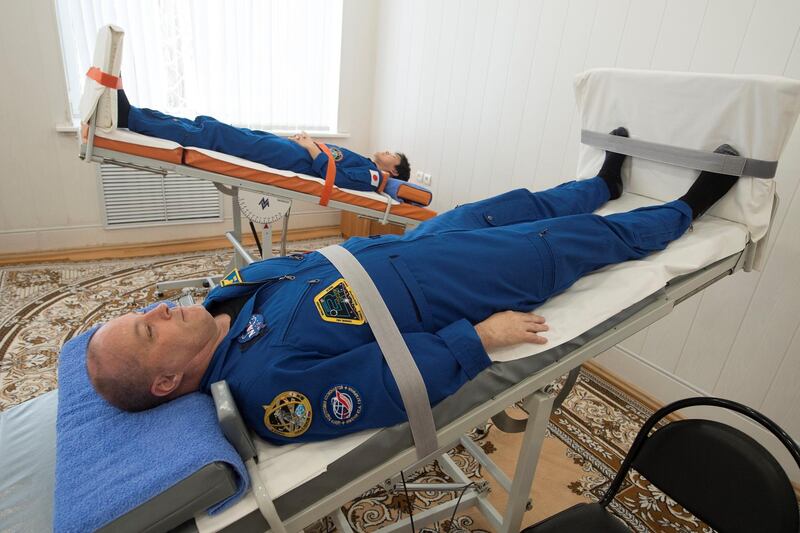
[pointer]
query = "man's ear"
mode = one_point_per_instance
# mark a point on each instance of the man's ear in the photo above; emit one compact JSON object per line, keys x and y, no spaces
{"x":165,"y":384}
{"x":394,"y":172}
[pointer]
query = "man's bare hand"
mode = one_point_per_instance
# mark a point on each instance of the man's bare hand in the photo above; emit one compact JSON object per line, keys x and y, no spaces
{"x":306,"y":142}
{"x":510,"y":327}
{"x":302,"y":139}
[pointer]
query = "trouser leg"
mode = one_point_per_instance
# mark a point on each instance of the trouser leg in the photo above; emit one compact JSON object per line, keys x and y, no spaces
{"x":154,"y":123}
{"x":211,"y":134}
{"x":519,"y":206}
{"x":473,"y":274}
{"x":583,"y":243}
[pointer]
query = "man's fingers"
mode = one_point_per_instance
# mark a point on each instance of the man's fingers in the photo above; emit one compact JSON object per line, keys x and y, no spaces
{"x":536,"y":339}
{"x":536,"y":328}
{"x":536,"y":318}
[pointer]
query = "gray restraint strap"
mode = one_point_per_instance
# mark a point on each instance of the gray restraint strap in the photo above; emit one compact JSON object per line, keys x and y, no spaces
{"x":391,"y":343}
{"x":682,"y":157}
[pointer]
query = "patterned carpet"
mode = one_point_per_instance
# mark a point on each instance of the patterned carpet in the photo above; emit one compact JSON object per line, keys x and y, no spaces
{"x":42,"y":306}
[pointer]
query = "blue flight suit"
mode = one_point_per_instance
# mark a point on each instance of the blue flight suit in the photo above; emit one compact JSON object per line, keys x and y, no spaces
{"x":353,"y":171}
{"x":297,"y":376}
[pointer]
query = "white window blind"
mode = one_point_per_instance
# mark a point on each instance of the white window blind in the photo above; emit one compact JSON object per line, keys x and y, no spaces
{"x":271,"y":65}
{"x":134,"y":196}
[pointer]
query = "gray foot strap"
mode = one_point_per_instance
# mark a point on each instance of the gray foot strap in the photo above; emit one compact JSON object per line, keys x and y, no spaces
{"x":683,"y":157}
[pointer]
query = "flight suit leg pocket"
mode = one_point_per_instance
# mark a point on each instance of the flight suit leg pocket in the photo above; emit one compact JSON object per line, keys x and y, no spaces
{"x":545,"y":270}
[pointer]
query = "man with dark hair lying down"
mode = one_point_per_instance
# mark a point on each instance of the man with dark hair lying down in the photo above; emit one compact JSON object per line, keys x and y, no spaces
{"x":290,"y":338}
{"x":298,"y":154}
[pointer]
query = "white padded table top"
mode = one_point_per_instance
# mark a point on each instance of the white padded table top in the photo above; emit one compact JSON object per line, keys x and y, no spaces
{"x":127,"y":136}
{"x":605,"y":292}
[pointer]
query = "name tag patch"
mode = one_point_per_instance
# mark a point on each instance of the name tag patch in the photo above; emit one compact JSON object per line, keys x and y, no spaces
{"x":337,"y":303}
{"x":289,"y":414}
{"x":255,"y":326}
{"x":341,"y":405}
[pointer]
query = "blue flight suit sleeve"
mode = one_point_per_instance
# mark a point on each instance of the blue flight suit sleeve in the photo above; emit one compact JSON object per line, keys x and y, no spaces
{"x":357,"y":178}
{"x":355,"y":390}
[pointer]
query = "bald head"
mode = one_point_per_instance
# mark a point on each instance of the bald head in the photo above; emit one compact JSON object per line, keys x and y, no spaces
{"x":116,"y":374}
{"x":140,"y":360}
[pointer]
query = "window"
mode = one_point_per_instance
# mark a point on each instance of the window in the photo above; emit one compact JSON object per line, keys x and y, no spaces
{"x":271,"y":65}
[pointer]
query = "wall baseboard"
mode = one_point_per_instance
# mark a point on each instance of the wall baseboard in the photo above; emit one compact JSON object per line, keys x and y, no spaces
{"x":158,"y":248}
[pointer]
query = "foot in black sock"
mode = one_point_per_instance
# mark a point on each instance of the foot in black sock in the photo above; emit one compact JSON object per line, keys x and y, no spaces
{"x":612,"y":168}
{"x":123,"y":108}
{"x":709,"y":186}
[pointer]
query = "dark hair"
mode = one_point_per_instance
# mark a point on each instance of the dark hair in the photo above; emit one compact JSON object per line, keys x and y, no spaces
{"x":403,"y":168}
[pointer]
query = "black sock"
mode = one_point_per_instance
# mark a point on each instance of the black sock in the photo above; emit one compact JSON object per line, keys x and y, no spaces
{"x":123,"y":108}
{"x":709,"y":186}
{"x":612,"y":168}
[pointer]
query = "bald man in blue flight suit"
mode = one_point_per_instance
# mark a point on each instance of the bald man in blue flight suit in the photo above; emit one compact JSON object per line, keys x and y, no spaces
{"x":289,"y":335}
{"x":298,"y":154}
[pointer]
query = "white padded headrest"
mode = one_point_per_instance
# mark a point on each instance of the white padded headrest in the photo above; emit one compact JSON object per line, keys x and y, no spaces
{"x":754,"y":114}
{"x":108,"y":58}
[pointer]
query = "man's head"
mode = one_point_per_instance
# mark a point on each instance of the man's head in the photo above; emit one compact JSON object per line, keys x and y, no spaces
{"x":395,"y":163}
{"x":140,"y":360}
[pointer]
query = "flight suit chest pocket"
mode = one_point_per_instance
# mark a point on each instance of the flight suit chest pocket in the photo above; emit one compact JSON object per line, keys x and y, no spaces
{"x":300,"y":296}
{"x":326,"y":317}
{"x":420,"y":301}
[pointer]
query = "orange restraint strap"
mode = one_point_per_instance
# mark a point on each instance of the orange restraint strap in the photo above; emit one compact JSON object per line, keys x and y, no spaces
{"x":330,"y":175}
{"x":107,"y":80}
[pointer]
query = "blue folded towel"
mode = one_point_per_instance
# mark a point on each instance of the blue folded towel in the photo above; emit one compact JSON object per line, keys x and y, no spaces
{"x":109,"y":462}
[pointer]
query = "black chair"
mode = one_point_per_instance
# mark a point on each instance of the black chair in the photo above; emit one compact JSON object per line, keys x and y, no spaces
{"x":722,"y":476}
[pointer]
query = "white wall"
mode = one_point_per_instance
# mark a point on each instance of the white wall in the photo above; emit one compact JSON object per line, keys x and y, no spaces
{"x":479,"y":94}
{"x":49,"y":198}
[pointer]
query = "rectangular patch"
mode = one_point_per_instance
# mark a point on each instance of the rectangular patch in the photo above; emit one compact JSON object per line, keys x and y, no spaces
{"x":337,"y":303}
{"x":375,"y":178}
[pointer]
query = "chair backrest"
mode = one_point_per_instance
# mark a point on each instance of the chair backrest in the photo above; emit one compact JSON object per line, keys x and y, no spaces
{"x":721,"y":475}
{"x":724,"y":477}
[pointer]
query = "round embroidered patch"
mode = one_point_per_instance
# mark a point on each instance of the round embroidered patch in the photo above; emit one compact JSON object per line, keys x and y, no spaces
{"x":336,"y":153}
{"x":341,"y":405}
{"x":289,"y":414}
{"x":254,"y":327}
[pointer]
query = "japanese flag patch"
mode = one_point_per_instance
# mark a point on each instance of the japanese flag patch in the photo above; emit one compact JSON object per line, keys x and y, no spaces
{"x":375,"y":178}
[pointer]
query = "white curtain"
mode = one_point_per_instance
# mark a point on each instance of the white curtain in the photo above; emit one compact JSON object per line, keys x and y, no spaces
{"x":261,"y":64}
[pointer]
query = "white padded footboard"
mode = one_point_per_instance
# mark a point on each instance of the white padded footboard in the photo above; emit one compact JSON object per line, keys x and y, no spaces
{"x":108,"y":58}
{"x":754,"y":114}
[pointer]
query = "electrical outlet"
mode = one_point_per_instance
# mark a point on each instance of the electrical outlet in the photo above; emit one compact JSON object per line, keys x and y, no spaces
{"x":426,"y":179}
{"x":419,"y":176}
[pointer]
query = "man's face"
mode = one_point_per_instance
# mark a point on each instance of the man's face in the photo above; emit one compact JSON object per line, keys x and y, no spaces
{"x":387,"y":161}
{"x":164,"y":340}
